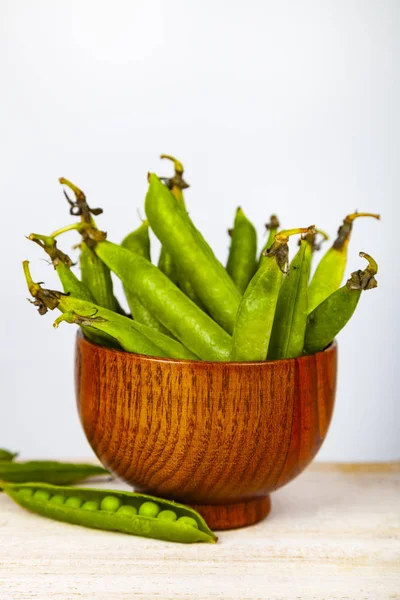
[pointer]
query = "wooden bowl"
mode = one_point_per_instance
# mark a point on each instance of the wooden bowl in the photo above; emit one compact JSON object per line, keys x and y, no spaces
{"x":217,"y":436}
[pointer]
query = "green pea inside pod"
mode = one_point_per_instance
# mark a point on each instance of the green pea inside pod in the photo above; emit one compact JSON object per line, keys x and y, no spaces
{"x":73,"y":502}
{"x":58,"y":499}
{"x":110,"y":503}
{"x":149,"y":509}
{"x":90,"y":505}
{"x":167,"y":515}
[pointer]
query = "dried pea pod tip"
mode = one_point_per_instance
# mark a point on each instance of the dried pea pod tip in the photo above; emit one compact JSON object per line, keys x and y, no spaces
{"x":364,"y":279}
{"x":273,"y":223}
{"x":49,"y":245}
{"x":79,"y":207}
{"x":176,"y":182}
{"x":344,"y":231}
{"x":280,"y":248}
{"x":311,"y":239}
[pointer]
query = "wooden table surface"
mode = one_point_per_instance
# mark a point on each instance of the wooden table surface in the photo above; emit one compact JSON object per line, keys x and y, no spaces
{"x":333,"y":533}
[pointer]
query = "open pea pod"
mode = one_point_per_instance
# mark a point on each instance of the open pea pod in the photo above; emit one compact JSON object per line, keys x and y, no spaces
{"x":114,"y":510}
{"x":48,"y":471}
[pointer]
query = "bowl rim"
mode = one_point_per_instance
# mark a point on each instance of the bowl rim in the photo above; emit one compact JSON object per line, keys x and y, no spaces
{"x":80,"y":338}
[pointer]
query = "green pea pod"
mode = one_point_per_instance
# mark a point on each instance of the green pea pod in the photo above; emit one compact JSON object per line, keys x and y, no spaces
{"x":94,"y":274}
{"x":190,"y":325}
{"x":193,"y":256}
{"x":70,"y":283}
{"x":241,"y":264}
{"x":132,"y":336}
{"x":7,"y":455}
{"x":48,"y":471}
{"x":114,"y":510}
{"x":138,"y":242}
{"x":176,"y":184}
{"x":272,"y":227}
{"x":325,"y":321}
{"x":255,"y":317}
{"x":330,"y":271}
{"x":166,"y":263}
{"x":290,"y":320}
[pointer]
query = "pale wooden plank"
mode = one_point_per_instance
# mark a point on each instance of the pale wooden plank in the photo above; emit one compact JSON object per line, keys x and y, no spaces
{"x":334,"y":533}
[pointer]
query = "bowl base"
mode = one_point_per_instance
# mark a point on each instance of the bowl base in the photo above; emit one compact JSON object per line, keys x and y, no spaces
{"x":233,"y":516}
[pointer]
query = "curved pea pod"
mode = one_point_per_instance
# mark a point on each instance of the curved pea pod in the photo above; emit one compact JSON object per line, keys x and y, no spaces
{"x":290,"y":319}
{"x":138,"y":242}
{"x":7,"y":455}
{"x":94,"y":274}
{"x":70,"y":282}
{"x":315,"y":246}
{"x":48,"y":471}
{"x":253,"y":327}
{"x":113,"y":510}
{"x":186,"y":321}
{"x":128,"y":333}
{"x":132,"y":337}
{"x":330,"y":271}
{"x":272,"y":227}
{"x":325,"y":321}
{"x":241,"y":264}
{"x":191,"y":253}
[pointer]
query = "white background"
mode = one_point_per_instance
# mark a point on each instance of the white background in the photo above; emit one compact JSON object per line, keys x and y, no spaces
{"x":287,"y":107}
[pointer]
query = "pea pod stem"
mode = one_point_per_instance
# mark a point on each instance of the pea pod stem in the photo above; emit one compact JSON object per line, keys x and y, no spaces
{"x":272,"y":227}
{"x":113,"y":510}
{"x":331,"y":268}
{"x":331,"y":315}
{"x":253,"y":327}
{"x":241,"y":264}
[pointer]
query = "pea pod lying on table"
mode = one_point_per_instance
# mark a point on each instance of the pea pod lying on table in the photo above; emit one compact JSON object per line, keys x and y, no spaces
{"x":7,"y":455}
{"x":325,"y":321}
{"x":48,"y":471}
{"x":241,"y":264}
{"x":253,"y":327}
{"x":109,"y":510}
{"x":132,"y":336}
{"x":330,"y":271}
{"x":191,"y":253}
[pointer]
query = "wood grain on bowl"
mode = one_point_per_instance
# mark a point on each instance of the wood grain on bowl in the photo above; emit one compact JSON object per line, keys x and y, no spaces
{"x":217,"y":436}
